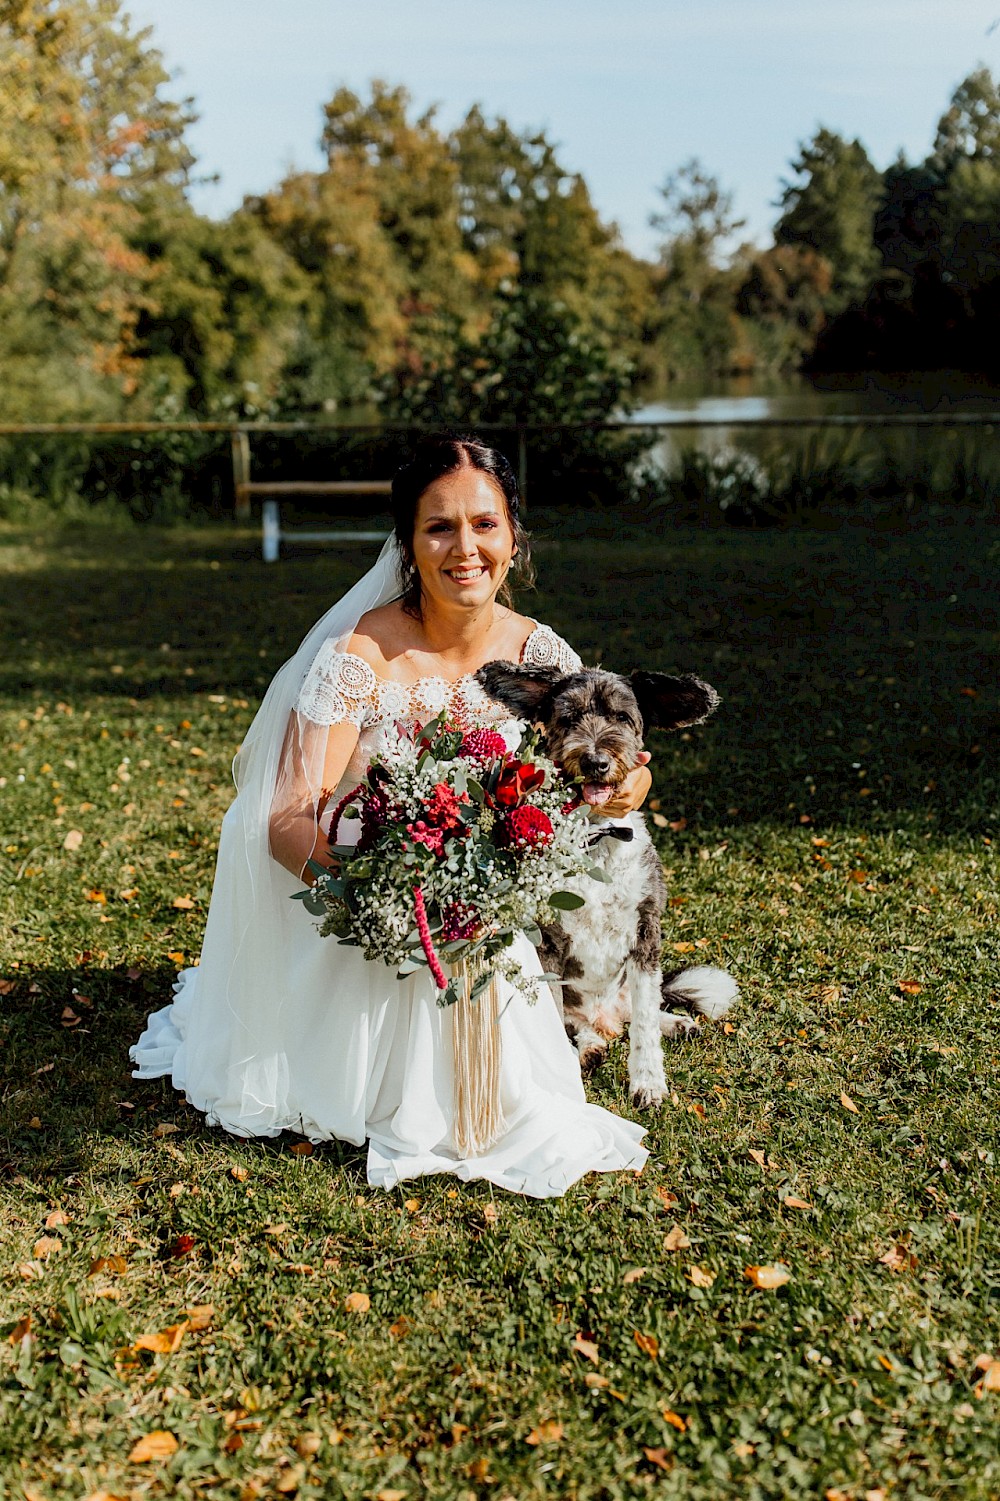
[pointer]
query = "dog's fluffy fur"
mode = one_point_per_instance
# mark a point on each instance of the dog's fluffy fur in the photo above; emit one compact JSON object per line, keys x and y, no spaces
{"x":607,"y":952}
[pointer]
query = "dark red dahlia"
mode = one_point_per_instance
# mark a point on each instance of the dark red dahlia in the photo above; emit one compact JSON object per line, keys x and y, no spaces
{"x":482,"y":745}
{"x":524,"y":828}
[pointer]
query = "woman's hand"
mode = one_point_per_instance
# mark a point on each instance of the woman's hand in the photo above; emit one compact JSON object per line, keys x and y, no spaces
{"x":631,"y":793}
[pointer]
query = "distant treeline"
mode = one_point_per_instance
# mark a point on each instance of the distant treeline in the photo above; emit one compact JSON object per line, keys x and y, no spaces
{"x":462,"y":275}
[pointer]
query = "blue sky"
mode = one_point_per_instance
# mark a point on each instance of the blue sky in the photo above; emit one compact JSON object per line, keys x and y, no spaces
{"x":629,"y":89}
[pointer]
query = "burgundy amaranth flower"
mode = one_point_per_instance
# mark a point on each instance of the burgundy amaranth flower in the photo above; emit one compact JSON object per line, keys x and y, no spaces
{"x":459,"y":920}
{"x":524,"y":828}
{"x":482,"y":745}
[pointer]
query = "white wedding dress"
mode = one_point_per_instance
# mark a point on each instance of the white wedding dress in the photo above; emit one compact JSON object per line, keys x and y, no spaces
{"x":362,"y":1055}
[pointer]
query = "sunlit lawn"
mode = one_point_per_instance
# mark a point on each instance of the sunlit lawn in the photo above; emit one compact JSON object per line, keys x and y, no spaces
{"x":828,"y":837}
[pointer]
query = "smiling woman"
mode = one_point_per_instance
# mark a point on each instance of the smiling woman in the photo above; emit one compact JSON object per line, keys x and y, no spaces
{"x":278,"y":1028}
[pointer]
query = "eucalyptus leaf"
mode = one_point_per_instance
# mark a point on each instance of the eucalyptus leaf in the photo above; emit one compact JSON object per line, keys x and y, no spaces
{"x":566,"y":901}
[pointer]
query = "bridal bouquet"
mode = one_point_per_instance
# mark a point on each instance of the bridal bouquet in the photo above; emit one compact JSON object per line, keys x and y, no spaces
{"x":463,"y":842}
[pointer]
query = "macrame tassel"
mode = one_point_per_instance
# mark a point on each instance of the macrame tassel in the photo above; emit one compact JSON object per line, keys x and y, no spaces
{"x":479,"y":1118}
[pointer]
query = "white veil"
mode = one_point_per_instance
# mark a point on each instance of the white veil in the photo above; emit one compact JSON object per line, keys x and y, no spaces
{"x":229,"y":1009}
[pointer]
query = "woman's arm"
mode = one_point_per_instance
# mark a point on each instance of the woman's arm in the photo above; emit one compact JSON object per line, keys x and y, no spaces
{"x":295,"y":833}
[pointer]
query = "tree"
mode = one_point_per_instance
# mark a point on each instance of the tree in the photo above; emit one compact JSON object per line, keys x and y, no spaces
{"x":831,"y":208}
{"x":695,"y":289}
{"x":88,"y":138}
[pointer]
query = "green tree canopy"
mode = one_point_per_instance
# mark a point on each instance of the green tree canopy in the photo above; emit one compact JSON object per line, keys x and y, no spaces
{"x":830,"y":207}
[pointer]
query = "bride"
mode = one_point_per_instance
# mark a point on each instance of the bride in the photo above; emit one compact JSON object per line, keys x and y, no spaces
{"x":279,"y":1029}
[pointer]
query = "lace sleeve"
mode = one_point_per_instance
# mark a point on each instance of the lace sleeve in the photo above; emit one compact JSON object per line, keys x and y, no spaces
{"x":339,"y":688}
{"x":544,"y":648}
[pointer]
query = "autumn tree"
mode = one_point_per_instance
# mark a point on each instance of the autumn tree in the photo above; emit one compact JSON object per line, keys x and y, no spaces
{"x":830,"y":207}
{"x":88,"y":138}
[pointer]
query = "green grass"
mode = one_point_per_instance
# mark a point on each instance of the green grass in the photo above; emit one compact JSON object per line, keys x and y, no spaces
{"x":859,"y":677}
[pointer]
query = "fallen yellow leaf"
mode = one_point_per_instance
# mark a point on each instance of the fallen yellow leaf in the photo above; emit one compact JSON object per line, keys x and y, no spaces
{"x":591,"y":1378}
{"x":674,"y":1419}
{"x":791,"y":1202}
{"x":113,"y":1265}
{"x":586,"y":1348}
{"x":156,"y":1445}
{"x":164,"y":1343}
{"x":701,"y":1276}
{"x":757,"y":1155}
{"x":549,"y":1432}
{"x":899,"y":1258}
{"x":667,"y":1199}
{"x":21,"y":1330}
{"x":648,"y":1343}
{"x":165,"y":1128}
{"x":46,"y":1246}
{"x":682,"y":948}
{"x":357,"y":1302}
{"x":57,"y":1217}
{"x":200,"y":1316}
{"x":400,"y":1327}
{"x":73,"y":840}
{"x":989,"y":1381}
{"x":411,"y":1206}
{"x":675,"y":1240}
{"x":658,"y":1457}
{"x":633,"y":1274}
{"x":910,"y":987}
{"x":182,"y":903}
{"x":849,"y":1104}
{"x":768,"y":1277}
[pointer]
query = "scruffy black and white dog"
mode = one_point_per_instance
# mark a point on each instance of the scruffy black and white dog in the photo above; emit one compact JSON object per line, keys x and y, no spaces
{"x":607,"y":952}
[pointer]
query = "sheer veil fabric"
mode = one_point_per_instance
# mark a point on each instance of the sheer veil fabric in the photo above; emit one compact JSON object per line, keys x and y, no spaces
{"x":277,"y":1028}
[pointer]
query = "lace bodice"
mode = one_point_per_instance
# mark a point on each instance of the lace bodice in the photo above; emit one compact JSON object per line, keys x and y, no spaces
{"x":341,"y":688}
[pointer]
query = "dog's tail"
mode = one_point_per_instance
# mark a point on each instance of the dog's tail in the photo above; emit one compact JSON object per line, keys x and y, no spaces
{"x":707,"y":991}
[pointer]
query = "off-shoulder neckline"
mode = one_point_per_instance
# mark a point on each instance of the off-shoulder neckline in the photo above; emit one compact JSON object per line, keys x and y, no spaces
{"x":466,"y":677}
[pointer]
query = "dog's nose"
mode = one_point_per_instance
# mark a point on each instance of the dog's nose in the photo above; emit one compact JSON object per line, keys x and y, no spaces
{"x":596,"y":764}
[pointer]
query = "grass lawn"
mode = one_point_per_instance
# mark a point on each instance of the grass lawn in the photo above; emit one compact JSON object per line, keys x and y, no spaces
{"x":831,"y":837}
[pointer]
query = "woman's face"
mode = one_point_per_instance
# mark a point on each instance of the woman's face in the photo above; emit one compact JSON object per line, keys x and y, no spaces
{"x":463,"y":541}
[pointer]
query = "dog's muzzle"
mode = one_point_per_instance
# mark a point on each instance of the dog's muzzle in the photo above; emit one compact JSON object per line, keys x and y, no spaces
{"x":613,"y":831}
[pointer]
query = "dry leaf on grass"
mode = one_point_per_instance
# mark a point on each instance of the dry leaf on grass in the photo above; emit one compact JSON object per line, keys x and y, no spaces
{"x":549,"y":1432}
{"x":159,"y":1444}
{"x":200,"y":1316}
{"x":648,"y":1343}
{"x":675,"y":1240}
{"x":674,"y":1419}
{"x":591,"y":1378}
{"x":391,"y":1495}
{"x":239,"y":1173}
{"x":164,"y":1343}
{"x":400,"y":1327}
{"x":701,"y":1276}
{"x":57,"y":1217}
{"x":183,"y":903}
{"x":666,"y":1198}
{"x":20,"y":1331}
{"x":46,"y":1246}
{"x":768,"y":1277}
{"x":302,"y":1149}
{"x":490,"y":1214}
{"x":658,"y":1457}
{"x":899,"y":1258}
{"x":633,"y":1274}
{"x":586,"y":1348}
{"x":411,"y":1206}
{"x":73,"y":840}
{"x":989,"y":1381}
{"x":757,"y":1155}
{"x":165,"y":1128}
{"x":791,"y":1202}
{"x":357,"y":1302}
{"x":113,"y":1265}
{"x":849,"y":1104}
{"x":910,"y":987}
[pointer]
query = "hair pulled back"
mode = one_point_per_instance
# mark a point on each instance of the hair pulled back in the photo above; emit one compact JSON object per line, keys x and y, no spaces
{"x":434,"y":458}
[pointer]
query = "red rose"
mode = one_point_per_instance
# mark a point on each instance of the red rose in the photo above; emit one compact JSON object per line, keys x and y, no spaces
{"x":525,"y":828}
{"x":516,"y":781}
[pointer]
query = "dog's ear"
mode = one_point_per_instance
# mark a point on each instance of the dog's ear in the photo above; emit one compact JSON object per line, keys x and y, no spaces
{"x":526,"y":690}
{"x":667,"y":703}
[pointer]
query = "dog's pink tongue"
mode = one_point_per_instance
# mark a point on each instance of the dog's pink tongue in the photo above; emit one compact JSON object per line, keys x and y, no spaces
{"x":596,"y":793}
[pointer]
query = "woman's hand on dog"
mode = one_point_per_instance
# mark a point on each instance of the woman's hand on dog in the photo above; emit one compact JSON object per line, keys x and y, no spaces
{"x":631,"y":793}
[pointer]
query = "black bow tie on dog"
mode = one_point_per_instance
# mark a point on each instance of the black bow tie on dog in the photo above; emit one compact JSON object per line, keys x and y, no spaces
{"x":612,"y":831}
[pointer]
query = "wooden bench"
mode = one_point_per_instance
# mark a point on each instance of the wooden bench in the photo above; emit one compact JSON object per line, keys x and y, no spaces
{"x":272,"y":533}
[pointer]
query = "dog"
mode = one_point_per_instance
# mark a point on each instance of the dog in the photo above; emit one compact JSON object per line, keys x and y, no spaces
{"x":607,"y":952}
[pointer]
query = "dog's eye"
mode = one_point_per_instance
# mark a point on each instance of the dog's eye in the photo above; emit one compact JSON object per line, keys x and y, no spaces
{"x":623,"y":718}
{"x":566,"y":721}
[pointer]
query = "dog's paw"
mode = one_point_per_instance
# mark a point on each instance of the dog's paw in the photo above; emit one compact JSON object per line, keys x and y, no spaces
{"x":675,"y":1025}
{"x":591,"y":1058}
{"x":645,"y":1096}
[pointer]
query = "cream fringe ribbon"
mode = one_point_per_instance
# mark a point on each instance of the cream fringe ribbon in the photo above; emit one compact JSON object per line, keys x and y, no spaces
{"x":479,"y":1120}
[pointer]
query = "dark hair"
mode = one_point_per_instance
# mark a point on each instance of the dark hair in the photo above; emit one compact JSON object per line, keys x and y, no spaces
{"x":434,"y":458}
